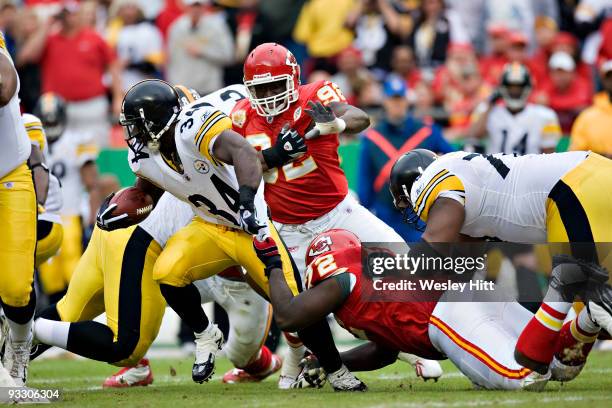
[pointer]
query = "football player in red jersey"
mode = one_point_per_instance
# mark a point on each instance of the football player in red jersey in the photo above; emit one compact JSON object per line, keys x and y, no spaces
{"x":478,"y":337}
{"x":306,"y":189}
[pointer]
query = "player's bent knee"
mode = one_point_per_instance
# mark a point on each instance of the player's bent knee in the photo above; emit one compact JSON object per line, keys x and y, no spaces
{"x":16,"y":292}
{"x":170,"y":270}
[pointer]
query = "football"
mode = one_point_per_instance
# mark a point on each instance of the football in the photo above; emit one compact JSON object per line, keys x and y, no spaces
{"x":134,"y":202}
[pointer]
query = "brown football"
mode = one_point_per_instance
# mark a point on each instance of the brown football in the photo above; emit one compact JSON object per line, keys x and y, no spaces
{"x":134,"y":202}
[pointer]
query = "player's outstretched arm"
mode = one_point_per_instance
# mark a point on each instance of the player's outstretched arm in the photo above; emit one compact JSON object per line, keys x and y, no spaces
{"x":368,"y":357}
{"x":337,"y":117}
{"x":293,"y":313}
{"x":8,"y":80}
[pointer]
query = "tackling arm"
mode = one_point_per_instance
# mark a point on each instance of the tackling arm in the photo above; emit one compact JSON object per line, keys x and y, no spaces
{"x":445,"y":221}
{"x":294,"y":313}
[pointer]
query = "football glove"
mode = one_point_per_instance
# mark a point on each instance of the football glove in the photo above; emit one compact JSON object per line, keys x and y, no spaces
{"x":106,"y":220}
{"x":288,"y":147}
{"x":267,"y":252}
{"x":248,"y":214}
{"x":312,"y":374}
{"x":326,"y":121}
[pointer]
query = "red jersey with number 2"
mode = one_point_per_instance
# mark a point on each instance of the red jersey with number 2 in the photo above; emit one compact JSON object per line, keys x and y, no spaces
{"x":396,"y":325}
{"x":312,"y":185}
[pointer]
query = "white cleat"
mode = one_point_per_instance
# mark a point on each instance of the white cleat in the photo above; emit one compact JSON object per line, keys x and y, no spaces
{"x":17,"y":358}
{"x":344,"y":380}
{"x":208,"y":344}
{"x":425,"y":369}
{"x":285,"y":381}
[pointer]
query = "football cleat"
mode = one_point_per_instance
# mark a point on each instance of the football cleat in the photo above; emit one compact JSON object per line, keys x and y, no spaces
{"x":535,"y":381}
{"x":16,"y":359}
{"x":238,"y":375}
{"x":425,"y":369}
{"x":563,"y":372}
{"x":139,"y":375}
{"x":285,"y":382}
{"x":208,"y":343}
{"x":344,"y":380}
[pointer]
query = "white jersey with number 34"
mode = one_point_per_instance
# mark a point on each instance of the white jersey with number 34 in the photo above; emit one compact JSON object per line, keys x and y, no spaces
{"x":209,"y":185}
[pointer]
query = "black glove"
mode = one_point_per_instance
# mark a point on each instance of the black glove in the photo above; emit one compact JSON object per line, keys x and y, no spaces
{"x":106,"y":220}
{"x":312,"y":374}
{"x":288,"y":147}
{"x":248,"y":213}
{"x":326,"y":121}
{"x":267,"y":252}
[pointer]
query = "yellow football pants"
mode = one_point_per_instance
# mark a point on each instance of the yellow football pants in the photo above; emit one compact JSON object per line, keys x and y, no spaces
{"x":202,"y":249}
{"x":114,"y":275}
{"x":18,"y":212}
{"x":56,"y":273}
{"x":579,"y":211}
{"x":47,"y":247}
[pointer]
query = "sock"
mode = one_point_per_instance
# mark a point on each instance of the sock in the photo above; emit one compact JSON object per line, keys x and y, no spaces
{"x":538,"y":339}
{"x":261,"y":365}
{"x":20,"y":319}
{"x":186,"y":302}
{"x":318,"y":338}
{"x":52,"y":332}
{"x":200,"y":333}
{"x":293,"y":355}
{"x":576,"y":339}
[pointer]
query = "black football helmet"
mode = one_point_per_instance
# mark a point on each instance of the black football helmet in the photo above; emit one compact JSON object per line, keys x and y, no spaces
{"x":404,"y":173}
{"x":186,"y":95}
{"x":515,"y":86}
{"x":148,"y":111}
{"x":51,"y":109}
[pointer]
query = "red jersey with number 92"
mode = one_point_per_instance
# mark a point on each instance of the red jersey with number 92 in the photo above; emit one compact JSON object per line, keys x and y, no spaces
{"x":312,"y":185}
{"x":397,"y":325}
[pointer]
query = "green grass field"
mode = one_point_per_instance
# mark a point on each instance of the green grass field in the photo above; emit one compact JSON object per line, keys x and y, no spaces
{"x":395,"y":386}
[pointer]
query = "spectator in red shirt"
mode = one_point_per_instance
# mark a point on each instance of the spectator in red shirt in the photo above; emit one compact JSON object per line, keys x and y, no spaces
{"x":492,"y":64}
{"x":568,"y":43}
{"x":564,"y":91}
{"x":74,"y":59}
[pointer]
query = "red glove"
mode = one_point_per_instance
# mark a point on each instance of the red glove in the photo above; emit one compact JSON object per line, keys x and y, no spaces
{"x":267,"y":252}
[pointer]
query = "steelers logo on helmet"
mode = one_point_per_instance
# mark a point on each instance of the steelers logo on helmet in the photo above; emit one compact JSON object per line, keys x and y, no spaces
{"x":272,"y":78}
{"x":515,"y":86}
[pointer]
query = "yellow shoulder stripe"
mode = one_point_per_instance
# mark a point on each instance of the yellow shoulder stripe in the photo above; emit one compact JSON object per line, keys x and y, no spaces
{"x":433,"y":180}
{"x":209,"y":130}
{"x":202,"y":130}
{"x":36,"y":134}
{"x":448,"y":182}
{"x":90,"y":149}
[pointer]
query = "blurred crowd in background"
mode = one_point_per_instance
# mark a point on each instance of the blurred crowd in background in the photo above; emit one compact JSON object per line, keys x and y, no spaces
{"x":449,"y":53}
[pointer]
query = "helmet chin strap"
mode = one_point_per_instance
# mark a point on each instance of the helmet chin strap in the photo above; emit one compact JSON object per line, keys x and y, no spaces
{"x":154,"y":143}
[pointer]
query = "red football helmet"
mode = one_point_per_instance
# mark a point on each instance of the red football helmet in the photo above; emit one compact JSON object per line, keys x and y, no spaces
{"x":336,"y":240}
{"x":271,"y":64}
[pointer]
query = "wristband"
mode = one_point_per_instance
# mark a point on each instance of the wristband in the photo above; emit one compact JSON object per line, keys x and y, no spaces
{"x":43,"y":165}
{"x":247,"y":196}
{"x":336,"y":126}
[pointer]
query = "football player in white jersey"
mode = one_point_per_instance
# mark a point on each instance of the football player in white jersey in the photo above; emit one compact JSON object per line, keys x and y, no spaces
{"x":555,"y":198}
{"x":193,"y":154}
{"x":515,"y":125}
{"x":18,"y":232}
{"x":49,"y":195}
{"x":71,"y":159}
{"x":118,"y":265}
